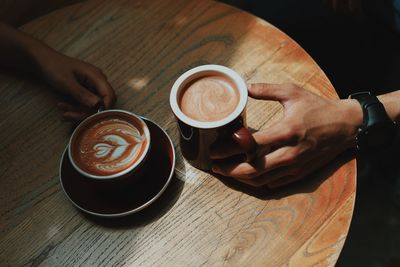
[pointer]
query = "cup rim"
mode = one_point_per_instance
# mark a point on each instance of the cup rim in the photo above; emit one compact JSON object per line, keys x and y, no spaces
{"x":225,"y":71}
{"x":134,"y":166}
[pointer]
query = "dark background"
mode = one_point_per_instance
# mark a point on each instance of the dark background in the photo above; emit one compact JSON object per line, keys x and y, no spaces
{"x":358,"y":51}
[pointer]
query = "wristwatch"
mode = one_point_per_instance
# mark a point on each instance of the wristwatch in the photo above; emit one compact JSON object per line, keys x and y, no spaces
{"x":377,"y":131}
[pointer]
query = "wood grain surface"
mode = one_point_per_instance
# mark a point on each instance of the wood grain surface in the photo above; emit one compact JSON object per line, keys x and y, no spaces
{"x":201,"y":220}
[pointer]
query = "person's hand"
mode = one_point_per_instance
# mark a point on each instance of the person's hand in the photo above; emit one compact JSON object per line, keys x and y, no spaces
{"x":84,"y":82}
{"x":312,"y":132}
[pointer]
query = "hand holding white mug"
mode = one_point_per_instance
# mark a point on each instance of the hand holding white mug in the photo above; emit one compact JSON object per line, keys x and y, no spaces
{"x":311,"y":133}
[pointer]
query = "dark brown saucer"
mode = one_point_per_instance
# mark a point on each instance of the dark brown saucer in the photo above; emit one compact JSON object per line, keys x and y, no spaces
{"x":116,"y":202}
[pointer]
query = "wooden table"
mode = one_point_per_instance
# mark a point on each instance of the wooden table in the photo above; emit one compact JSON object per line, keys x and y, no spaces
{"x":143,"y":46}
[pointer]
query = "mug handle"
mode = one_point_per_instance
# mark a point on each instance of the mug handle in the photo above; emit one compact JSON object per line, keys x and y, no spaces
{"x":246,"y":141}
{"x":100,"y":109}
{"x":182,"y":132}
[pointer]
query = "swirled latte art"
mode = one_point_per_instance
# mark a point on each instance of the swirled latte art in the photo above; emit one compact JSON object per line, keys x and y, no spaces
{"x":108,"y":146}
{"x":210,"y":98}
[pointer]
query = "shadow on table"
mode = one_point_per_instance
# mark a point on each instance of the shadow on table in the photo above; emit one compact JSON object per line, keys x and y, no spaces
{"x":306,"y":185}
{"x":148,"y":215}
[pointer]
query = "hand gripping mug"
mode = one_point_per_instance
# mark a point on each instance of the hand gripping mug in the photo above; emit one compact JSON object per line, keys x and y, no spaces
{"x":209,"y":103}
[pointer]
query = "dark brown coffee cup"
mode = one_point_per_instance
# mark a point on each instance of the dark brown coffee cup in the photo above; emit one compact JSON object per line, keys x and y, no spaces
{"x":200,"y":129}
{"x":109,"y":146}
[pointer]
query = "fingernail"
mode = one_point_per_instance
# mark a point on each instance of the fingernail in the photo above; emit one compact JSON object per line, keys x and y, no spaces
{"x":214,"y":168}
{"x":94,"y":103}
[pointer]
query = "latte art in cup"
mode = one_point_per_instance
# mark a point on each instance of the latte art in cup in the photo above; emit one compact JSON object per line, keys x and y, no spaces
{"x":209,"y":98}
{"x":108,"y":145}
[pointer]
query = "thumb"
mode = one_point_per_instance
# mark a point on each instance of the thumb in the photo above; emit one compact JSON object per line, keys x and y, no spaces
{"x":268,"y":91}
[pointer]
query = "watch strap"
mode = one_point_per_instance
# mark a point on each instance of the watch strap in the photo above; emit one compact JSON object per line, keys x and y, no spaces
{"x":373,"y":109}
{"x":374,"y":115}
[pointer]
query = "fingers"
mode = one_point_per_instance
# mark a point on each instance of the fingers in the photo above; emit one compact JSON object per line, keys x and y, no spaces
{"x":74,"y":116}
{"x":273,"y":177}
{"x":306,"y":168}
{"x":285,"y":167}
{"x":277,"y":135}
{"x":284,"y":156}
{"x":244,"y":170}
{"x":283,"y":178}
{"x":99,"y":81}
{"x":267,"y":91}
{"x":83,"y":95}
{"x":84,"y":82}
{"x":73,"y":113}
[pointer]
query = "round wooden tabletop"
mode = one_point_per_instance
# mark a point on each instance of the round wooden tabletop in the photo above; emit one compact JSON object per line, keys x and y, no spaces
{"x":142,"y":47}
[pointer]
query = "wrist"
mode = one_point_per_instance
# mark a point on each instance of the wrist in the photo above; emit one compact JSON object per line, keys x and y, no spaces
{"x":43,"y":59}
{"x":378,"y":131}
{"x":38,"y":52}
{"x":352,"y":114}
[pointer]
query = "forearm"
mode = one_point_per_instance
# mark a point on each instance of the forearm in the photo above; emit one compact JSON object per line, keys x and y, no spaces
{"x":391,"y":101}
{"x":350,"y":111}
{"x":18,"y":51}
{"x":85,"y":82}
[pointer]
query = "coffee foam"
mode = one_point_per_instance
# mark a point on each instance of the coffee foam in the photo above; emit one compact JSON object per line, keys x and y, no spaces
{"x":108,"y":145}
{"x":209,"y":98}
